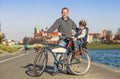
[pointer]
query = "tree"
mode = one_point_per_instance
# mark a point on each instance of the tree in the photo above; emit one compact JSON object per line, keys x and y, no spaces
{"x":118,"y":31}
{"x":2,"y":36}
{"x":25,"y":39}
{"x":109,"y":33}
{"x":117,"y":35}
{"x":0,"y":39}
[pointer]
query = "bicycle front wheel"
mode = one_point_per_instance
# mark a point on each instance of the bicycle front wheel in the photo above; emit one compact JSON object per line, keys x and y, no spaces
{"x":40,"y":62}
{"x":79,"y":65}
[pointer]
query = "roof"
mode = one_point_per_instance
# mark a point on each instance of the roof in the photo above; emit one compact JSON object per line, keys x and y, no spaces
{"x":53,"y":34}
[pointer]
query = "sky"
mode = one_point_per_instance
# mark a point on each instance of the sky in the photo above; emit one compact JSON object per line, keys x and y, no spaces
{"x":19,"y":17}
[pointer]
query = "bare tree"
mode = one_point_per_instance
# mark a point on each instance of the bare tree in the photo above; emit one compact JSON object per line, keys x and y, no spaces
{"x":117,"y":35}
{"x":109,"y":33}
{"x":2,"y":36}
{"x":118,"y":31}
{"x":26,"y":39}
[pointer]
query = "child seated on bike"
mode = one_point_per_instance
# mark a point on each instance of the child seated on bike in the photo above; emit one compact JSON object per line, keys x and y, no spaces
{"x":80,"y":36}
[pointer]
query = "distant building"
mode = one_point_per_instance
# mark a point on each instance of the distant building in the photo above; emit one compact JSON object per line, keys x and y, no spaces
{"x":9,"y":42}
{"x":37,"y":32}
{"x":112,"y":37}
{"x":104,"y":34}
{"x":90,"y":38}
{"x":94,"y":37}
{"x":54,"y":36}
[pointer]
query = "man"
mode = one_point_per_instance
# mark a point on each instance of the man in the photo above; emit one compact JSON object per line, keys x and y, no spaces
{"x":64,"y":26}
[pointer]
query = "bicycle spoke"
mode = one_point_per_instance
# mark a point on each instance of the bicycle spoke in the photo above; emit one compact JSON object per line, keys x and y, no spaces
{"x":79,"y":64}
{"x":40,"y":63}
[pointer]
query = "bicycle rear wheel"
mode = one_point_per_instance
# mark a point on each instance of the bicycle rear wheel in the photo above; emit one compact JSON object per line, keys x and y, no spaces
{"x":79,"y":65}
{"x":40,"y":62}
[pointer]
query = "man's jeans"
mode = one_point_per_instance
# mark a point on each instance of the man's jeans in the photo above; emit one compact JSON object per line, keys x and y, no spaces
{"x":61,"y":43}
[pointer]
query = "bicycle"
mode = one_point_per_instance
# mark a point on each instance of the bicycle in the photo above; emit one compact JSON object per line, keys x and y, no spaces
{"x":70,"y":63}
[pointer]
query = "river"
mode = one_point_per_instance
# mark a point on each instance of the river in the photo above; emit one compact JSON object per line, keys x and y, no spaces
{"x":107,"y":57}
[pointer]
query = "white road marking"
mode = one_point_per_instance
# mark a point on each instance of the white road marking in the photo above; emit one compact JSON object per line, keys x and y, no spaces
{"x":13,"y":57}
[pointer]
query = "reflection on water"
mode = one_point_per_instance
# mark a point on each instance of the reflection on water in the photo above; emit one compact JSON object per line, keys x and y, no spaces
{"x":108,"y":57}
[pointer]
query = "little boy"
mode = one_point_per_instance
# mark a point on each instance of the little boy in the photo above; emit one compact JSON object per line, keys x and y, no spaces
{"x":80,"y":36}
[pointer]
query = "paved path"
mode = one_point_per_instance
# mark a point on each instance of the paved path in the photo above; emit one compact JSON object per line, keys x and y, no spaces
{"x":18,"y":68}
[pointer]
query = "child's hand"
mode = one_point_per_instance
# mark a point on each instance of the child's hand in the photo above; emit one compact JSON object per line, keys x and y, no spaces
{"x":74,"y":39}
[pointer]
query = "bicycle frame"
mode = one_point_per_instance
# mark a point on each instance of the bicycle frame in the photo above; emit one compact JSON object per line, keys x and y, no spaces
{"x":49,"y":50}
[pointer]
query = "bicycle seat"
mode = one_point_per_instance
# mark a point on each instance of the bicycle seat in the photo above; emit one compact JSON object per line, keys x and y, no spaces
{"x":59,"y":50}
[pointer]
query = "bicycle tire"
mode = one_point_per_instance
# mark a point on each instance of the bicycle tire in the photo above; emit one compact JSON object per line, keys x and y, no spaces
{"x":72,"y":58}
{"x":38,"y":67}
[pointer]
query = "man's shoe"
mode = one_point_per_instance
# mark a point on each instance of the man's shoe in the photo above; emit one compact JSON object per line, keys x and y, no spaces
{"x":54,"y":73}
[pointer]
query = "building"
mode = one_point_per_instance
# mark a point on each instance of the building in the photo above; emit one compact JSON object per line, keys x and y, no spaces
{"x":94,"y":37}
{"x":112,"y":36}
{"x":54,"y":36}
{"x":37,"y":32}
{"x":90,"y":38}
{"x":104,"y":34}
{"x":9,"y":42}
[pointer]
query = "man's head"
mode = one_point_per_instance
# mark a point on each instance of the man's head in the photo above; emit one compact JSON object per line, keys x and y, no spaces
{"x":82,"y":24}
{"x":64,"y":13}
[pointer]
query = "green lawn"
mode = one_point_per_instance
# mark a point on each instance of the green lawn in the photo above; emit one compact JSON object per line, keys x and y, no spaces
{"x":8,"y":48}
{"x":103,"y":46}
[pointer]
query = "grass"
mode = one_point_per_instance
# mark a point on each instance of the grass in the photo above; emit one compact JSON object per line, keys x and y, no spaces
{"x":8,"y":48}
{"x":1,"y":52}
{"x":89,"y":46}
{"x":103,"y":46}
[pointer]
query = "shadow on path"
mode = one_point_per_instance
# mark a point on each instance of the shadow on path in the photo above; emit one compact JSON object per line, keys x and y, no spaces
{"x":29,"y":71}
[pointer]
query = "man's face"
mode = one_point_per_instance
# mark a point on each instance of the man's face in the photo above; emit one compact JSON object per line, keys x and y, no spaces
{"x":65,"y":14}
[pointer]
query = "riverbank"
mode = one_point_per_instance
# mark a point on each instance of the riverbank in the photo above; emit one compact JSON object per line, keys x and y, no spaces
{"x":7,"y":49}
{"x":89,"y":46}
{"x":103,"y":46}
